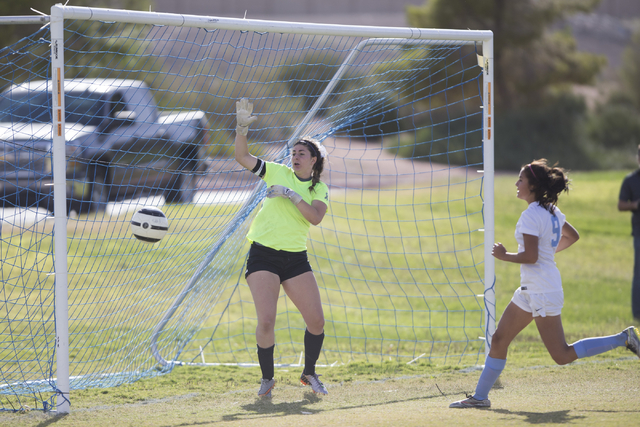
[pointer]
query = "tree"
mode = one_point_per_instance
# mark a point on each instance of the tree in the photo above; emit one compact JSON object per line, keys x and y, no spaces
{"x":536,"y":62}
{"x":529,"y":60}
{"x":615,"y":123}
{"x":630,"y":71}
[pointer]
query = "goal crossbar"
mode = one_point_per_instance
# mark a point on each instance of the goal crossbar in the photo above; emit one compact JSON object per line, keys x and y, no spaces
{"x":216,"y":22}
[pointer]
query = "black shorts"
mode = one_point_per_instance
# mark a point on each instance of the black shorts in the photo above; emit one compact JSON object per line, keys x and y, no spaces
{"x":283,"y":263}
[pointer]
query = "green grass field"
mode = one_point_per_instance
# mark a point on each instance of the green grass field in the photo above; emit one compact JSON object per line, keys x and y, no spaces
{"x":602,"y":390}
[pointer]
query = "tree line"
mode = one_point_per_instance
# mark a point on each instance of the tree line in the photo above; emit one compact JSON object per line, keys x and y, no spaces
{"x":536,"y":67}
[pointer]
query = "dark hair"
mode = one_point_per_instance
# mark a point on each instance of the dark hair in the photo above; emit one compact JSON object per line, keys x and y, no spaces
{"x":314,"y":148}
{"x":547,"y":182}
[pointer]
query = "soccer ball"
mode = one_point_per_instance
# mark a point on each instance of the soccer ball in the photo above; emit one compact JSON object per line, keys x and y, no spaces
{"x":149,"y":224}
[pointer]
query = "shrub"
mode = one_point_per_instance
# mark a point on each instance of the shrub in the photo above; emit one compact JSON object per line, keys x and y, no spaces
{"x":555,"y":131}
{"x":615,"y":125}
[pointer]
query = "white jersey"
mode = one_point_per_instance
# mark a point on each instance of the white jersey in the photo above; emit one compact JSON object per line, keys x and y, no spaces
{"x":543,"y":276}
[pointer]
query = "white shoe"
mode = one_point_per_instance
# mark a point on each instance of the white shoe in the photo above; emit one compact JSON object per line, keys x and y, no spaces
{"x":633,"y":340}
{"x":266,"y":386}
{"x":314,"y":382}
{"x":471,"y":402}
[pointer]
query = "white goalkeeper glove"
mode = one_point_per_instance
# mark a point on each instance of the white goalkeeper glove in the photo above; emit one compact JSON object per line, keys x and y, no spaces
{"x":244,"y":108}
{"x":287,"y":193}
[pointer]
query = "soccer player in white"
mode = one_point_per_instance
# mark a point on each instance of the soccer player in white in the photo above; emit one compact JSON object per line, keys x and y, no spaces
{"x":540,"y":232}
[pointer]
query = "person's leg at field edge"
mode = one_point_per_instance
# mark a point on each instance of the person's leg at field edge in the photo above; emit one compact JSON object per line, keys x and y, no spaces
{"x":552,"y":334}
{"x":265,"y":290}
{"x":513,"y":321}
{"x":303,"y":291}
{"x":635,"y":285}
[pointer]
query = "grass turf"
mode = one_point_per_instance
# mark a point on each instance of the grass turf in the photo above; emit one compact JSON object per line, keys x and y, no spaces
{"x":597,"y":391}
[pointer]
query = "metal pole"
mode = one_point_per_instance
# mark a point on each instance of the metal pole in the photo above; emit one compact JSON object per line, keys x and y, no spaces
{"x":489,"y":212}
{"x":17,"y":19}
{"x":60,"y":210}
{"x":217,"y":22}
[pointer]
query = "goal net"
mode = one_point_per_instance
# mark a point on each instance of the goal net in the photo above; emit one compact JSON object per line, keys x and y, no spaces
{"x":106,"y":111}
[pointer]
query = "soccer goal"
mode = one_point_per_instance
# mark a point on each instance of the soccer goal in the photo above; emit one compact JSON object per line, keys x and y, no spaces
{"x":108,"y":111}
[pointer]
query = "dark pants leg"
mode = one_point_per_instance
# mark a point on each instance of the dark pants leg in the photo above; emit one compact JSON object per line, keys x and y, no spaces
{"x":635,"y":287}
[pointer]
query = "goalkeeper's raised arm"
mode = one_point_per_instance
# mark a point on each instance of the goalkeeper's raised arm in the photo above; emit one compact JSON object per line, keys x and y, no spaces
{"x":244,"y":119}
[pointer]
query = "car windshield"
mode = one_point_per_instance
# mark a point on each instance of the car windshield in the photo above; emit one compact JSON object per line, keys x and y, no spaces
{"x":35,"y":107}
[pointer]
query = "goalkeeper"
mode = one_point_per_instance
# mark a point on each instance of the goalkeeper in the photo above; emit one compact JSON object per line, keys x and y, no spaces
{"x":296,"y":198}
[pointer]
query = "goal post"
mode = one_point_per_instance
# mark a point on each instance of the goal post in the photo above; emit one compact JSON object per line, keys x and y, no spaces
{"x":141,"y":111}
{"x":489,"y":205}
{"x":59,"y":169}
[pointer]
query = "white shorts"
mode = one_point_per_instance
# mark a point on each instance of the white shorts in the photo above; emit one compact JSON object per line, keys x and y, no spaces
{"x":539,"y":304}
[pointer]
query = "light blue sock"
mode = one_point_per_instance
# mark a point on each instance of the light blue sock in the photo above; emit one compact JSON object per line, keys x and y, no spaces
{"x":492,"y":370}
{"x":592,"y":346}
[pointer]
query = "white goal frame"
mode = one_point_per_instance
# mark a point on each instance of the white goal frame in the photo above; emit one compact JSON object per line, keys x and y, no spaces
{"x":59,"y":13}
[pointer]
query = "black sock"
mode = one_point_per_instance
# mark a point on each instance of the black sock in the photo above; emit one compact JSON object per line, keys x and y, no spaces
{"x":265,"y":358}
{"x":312,"y":347}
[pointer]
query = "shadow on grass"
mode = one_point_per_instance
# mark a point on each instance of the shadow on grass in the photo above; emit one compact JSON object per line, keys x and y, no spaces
{"x":54,"y":419}
{"x":559,"y":417}
{"x":265,"y":407}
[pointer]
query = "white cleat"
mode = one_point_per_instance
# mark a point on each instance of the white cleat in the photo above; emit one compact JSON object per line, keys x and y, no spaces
{"x":471,"y":402}
{"x":266,"y":386}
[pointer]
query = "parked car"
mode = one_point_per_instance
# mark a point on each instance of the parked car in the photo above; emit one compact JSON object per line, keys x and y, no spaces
{"x":118,"y":145}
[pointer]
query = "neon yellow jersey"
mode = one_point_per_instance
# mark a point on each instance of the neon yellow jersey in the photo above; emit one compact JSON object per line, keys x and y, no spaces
{"x":279,"y":224}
